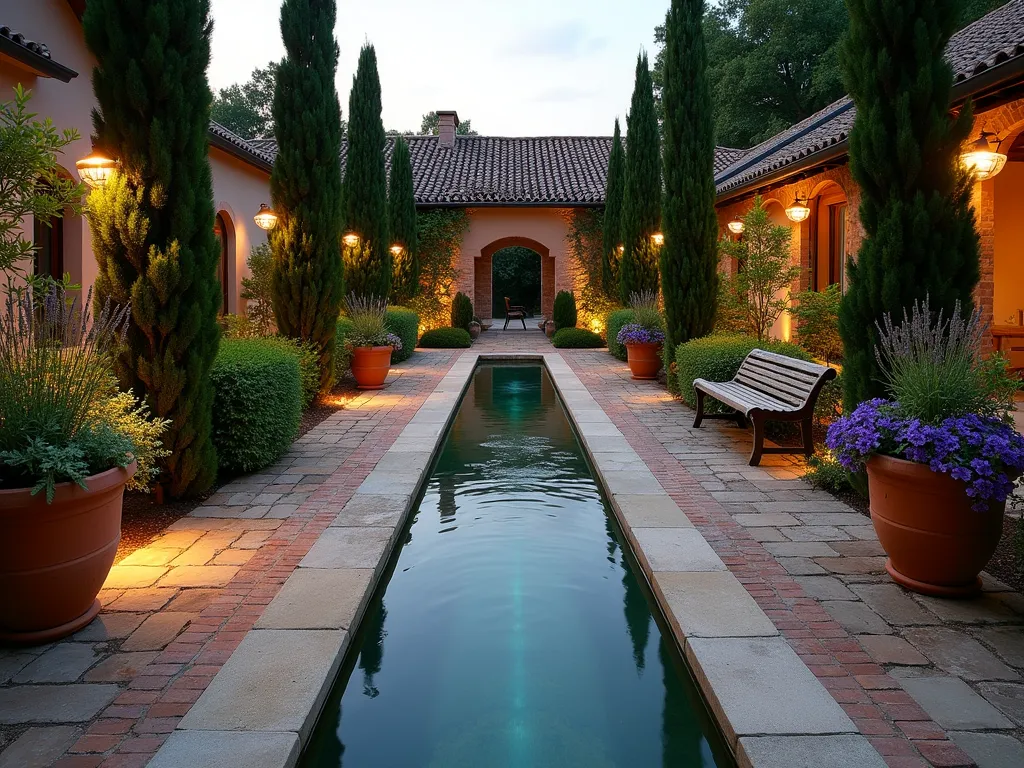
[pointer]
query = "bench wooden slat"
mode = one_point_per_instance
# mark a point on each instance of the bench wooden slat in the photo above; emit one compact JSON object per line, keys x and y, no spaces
{"x":768,"y":386}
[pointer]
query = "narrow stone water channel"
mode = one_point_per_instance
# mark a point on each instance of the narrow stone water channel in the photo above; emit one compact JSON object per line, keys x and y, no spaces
{"x":511,"y":630}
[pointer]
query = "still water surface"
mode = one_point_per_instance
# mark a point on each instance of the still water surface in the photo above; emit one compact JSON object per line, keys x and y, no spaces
{"x":512,"y":632}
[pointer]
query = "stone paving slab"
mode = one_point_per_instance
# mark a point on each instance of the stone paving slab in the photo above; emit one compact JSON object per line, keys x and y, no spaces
{"x":953,"y":704}
{"x":53,"y":703}
{"x":228,"y":749}
{"x":39,"y":747}
{"x":319,"y":598}
{"x":807,"y":752}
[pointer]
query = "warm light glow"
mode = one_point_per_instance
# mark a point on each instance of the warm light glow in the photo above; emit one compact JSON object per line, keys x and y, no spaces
{"x":351,"y":239}
{"x":397,"y":249}
{"x":736,"y":226}
{"x":266,"y":218}
{"x":95,"y":169}
{"x":597,"y":326}
{"x":798,"y":211}
{"x":658,"y":238}
{"x":622,"y":249}
{"x":983,"y":160}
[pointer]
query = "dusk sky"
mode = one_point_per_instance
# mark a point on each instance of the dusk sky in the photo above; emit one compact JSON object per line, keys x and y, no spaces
{"x":514,"y":67}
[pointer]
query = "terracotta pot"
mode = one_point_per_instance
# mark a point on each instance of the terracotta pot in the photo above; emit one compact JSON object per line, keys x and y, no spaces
{"x":370,"y":366}
{"x":937,"y":544}
{"x":55,"y":557}
{"x":549,"y":328}
{"x":644,"y":360}
{"x":474,"y":330}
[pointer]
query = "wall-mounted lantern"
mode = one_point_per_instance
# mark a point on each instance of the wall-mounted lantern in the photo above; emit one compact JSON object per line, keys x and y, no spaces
{"x":350,"y":238}
{"x":736,"y":226}
{"x":798,"y":211}
{"x":983,"y":160}
{"x":95,"y":169}
{"x":397,"y":249}
{"x":658,"y":238}
{"x":266,"y":218}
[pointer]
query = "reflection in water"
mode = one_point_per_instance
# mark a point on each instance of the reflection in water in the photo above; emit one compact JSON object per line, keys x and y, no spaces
{"x":516,"y":634}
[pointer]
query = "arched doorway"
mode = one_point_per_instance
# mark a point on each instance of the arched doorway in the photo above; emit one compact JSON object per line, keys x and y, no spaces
{"x":516,"y":274}
{"x":490,"y":298}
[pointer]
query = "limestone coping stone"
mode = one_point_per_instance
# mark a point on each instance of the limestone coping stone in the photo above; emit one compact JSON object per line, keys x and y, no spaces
{"x":228,"y":749}
{"x":791,"y":751}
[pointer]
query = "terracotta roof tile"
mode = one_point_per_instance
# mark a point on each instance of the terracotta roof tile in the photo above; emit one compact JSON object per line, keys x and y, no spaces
{"x":19,"y":39}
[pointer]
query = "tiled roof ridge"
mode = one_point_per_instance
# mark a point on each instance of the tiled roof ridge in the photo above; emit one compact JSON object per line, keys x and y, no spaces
{"x":40,"y":49}
{"x":237,"y":141}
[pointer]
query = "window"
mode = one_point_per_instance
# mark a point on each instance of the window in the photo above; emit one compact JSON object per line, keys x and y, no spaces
{"x":837,"y":245}
{"x":48,"y":238}
{"x":828,"y":242}
{"x":220,"y":228}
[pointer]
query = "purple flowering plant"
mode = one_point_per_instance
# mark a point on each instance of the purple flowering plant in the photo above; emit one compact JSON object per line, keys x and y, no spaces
{"x":948,"y":408}
{"x":634,"y":333}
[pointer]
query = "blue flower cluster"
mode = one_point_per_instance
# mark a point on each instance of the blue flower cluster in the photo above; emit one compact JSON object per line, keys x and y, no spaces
{"x":634,"y":333}
{"x":984,"y":453}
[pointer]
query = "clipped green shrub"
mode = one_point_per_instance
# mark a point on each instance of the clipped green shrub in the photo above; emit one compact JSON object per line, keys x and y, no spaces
{"x":405,"y":324}
{"x":446,"y":338}
{"x":828,"y":474}
{"x":342,"y":355}
{"x":462,"y":311}
{"x":564,"y":313}
{"x":717,"y":358}
{"x":257,"y":403}
{"x":577,"y":338}
{"x":612,"y":325}
{"x":309,"y":364}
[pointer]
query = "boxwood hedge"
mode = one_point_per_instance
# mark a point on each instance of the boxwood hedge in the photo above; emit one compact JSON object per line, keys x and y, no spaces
{"x":405,"y":324}
{"x":577,"y":338}
{"x":613,"y":324}
{"x":257,"y":403}
{"x":309,"y":364}
{"x":446,"y":338}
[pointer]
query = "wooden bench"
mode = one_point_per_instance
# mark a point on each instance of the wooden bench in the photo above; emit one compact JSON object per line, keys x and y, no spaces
{"x":514,"y":312}
{"x":768,"y":387}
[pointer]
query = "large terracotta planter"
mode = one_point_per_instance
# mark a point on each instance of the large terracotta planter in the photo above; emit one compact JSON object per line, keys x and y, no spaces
{"x":644,"y":360}
{"x":937,"y":544}
{"x":370,"y":366}
{"x":55,"y":557}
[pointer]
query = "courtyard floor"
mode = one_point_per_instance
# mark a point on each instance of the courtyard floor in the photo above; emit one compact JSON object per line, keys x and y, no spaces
{"x":925,"y":681}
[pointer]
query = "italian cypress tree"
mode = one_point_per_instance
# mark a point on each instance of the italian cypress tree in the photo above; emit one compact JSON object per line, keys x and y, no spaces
{"x":305,"y":185}
{"x":920,"y":238}
{"x":613,"y":216}
{"x":641,"y":202}
{"x":153,"y":222}
{"x":688,"y":259}
{"x":368,"y":263}
{"x":402,"y":220}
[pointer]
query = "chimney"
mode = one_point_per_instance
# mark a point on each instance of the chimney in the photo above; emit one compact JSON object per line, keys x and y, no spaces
{"x":447,"y":122}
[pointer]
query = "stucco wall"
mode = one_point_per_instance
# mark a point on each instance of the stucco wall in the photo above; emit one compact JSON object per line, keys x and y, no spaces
{"x":238,"y":188}
{"x":543,"y":229}
{"x":1009,"y":243}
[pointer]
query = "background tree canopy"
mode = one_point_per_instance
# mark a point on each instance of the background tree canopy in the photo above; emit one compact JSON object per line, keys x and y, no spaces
{"x":429,"y":126}
{"x":516,"y":275}
{"x":773,"y":63}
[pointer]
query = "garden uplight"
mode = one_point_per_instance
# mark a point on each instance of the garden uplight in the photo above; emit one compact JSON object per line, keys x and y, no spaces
{"x":658,"y":238}
{"x":622,"y":249}
{"x":736,"y":226}
{"x":798,"y":211}
{"x":983,"y":160}
{"x":265,"y":218}
{"x":95,"y":169}
{"x":351,"y":239}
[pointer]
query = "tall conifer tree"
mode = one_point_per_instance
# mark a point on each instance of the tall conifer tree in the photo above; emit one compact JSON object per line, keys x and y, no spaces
{"x":920,"y":238}
{"x":688,"y":259}
{"x":367,"y":264}
{"x":613,"y":216}
{"x":641,"y":205}
{"x":153,"y":222}
{"x":402,"y":220}
{"x":305,"y":185}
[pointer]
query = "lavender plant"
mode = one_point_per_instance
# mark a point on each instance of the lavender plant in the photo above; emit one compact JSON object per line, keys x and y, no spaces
{"x":948,"y":409}
{"x":368,"y":318}
{"x":54,"y":368}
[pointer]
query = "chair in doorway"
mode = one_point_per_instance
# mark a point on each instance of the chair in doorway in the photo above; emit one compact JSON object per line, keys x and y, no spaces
{"x":514,"y":312}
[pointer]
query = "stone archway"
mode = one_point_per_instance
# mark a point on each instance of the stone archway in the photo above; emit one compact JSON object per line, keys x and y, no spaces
{"x":483,"y":272}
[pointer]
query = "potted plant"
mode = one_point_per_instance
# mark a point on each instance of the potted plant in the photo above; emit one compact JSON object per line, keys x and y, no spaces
{"x":941,"y":454}
{"x":68,"y":447}
{"x":369,"y":341}
{"x":644,"y":337}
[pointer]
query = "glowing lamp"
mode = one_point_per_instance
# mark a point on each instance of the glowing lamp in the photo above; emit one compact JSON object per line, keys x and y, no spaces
{"x":351,"y":239}
{"x":622,"y":249}
{"x":265,"y":218}
{"x":736,"y":226}
{"x":658,"y":238}
{"x":597,"y":326}
{"x":798,"y":211}
{"x":983,"y":160}
{"x":396,"y":249}
{"x":95,"y":169}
